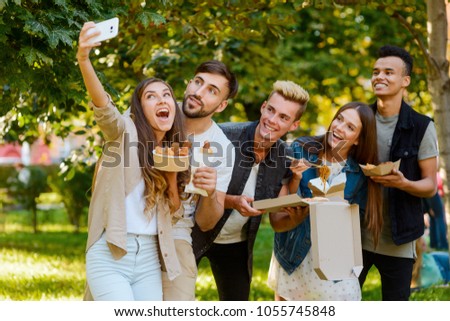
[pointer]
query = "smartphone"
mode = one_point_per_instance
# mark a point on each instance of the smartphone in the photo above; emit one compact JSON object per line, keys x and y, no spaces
{"x":108,"y":29}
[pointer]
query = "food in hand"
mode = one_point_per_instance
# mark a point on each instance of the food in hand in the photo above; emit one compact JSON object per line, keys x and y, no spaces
{"x":315,"y":199}
{"x":206,"y":148}
{"x":174,"y":150}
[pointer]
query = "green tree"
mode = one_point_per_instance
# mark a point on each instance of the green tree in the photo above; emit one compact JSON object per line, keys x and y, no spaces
{"x":75,"y":192}
{"x":26,"y":187}
{"x":328,"y":46}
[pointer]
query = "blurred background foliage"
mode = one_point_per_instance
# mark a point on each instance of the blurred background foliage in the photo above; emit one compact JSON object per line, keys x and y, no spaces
{"x":326,"y":47}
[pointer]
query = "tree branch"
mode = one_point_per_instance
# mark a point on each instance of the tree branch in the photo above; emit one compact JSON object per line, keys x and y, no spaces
{"x":432,"y":65}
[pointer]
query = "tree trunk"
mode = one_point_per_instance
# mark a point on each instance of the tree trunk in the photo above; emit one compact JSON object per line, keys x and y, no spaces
{"x":439,"y":85}
{"x":34,"y":218}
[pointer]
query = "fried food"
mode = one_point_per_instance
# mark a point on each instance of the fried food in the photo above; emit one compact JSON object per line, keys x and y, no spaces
{"x":174,"y":150}
{"x":370,"y":166}
{"x":315,"y":199}
{"x":206,"y":148}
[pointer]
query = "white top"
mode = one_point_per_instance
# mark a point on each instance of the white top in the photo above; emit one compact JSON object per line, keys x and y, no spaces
{"x":232,"y":231}
{"x":137,"y":221}
{"x":222,"y":159}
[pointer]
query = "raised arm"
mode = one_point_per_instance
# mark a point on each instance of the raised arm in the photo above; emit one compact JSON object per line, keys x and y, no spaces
{"x":91,"y":81}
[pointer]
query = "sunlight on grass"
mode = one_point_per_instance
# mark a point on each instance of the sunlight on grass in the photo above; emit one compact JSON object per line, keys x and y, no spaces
{"x":33,"y":276}
{"x":50,"y":265}
{"x":205,"y":287}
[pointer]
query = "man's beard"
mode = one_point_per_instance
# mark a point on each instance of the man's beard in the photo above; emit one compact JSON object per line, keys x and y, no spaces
{"x":201,"y":113}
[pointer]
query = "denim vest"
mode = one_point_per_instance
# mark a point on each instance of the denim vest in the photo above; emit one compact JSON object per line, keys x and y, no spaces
{"x":405,"y":210}
{"x":272,"y":173}
{"x":291,"y":247}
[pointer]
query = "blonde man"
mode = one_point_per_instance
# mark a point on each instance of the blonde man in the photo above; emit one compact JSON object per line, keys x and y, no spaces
{"x":261,"y":170}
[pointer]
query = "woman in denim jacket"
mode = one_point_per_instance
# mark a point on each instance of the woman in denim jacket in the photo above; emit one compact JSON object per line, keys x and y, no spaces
{"x":349,"y":141}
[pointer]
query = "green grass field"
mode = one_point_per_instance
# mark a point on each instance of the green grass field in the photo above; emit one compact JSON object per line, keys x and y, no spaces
{"x":50,"y":265}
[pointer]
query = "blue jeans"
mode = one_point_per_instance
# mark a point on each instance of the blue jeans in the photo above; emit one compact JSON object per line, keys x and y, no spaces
{"x":438,"y":225}
{"x":134,"y":277}
{"x":443,"y":263}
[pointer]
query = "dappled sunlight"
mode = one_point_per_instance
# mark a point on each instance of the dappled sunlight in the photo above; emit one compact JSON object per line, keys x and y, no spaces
{"x":26,"y":276}
{"x":51,"y":266}
{"x":21,"y":263}
{"x":44,"y":266}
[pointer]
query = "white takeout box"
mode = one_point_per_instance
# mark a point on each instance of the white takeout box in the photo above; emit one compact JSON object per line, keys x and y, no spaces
{"x":336,"y":188}
{"x":336,"y":240}
{"x":197,"y":161}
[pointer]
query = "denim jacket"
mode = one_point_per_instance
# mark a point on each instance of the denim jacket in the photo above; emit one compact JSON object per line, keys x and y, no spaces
{"x":273,"y":172}
{"x":291,"y":247}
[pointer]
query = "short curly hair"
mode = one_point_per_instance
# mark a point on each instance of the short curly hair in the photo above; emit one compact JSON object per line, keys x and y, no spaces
{"x":394,"y":51}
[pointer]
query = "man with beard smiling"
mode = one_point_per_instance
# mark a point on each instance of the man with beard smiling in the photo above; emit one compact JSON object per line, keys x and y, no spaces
{"x":261,"y":171}
{"x":206,"y":94}
{"x":404,"y":134}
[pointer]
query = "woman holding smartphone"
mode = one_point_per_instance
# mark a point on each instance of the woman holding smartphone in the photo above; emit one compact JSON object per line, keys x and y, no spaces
{"x":132,"y":204}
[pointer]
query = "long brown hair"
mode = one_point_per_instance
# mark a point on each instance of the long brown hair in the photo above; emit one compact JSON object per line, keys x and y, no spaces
{"x":156,"y":187}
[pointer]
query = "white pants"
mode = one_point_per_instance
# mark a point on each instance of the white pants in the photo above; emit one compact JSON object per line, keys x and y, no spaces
{"x":134,"y":277}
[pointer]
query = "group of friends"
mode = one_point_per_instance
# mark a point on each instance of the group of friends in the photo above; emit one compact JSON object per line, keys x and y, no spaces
{"x":146,"y":235}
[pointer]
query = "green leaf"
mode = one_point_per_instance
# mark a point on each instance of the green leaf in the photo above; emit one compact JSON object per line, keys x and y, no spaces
{"x":3,"y":4}
{"x":33,"y":55}
{"x":61,"y":3}
{"x":147,"y":17}
{"x":57,"y":35}
{"x":70,"y":174}
{"x":35,"y":27}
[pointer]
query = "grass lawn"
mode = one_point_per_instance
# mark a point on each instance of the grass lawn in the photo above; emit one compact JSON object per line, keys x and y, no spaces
{"x":50,"y":265}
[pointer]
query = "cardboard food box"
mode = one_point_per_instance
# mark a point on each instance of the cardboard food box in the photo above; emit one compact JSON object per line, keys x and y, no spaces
{"x":291,"y":200}
{"x":380,"y":170}
{"x":199,"y":156}
{"x":170,"y":163}
{"x":336,"y":188}
{"x":336,"y":240}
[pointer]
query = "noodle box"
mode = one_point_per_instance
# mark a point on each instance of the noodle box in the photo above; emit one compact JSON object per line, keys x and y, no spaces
{"x":325,"y":189}
{"x":336,"y":240}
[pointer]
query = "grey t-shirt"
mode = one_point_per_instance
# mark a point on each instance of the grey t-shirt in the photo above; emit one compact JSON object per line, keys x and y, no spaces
{"x":427,"y":149}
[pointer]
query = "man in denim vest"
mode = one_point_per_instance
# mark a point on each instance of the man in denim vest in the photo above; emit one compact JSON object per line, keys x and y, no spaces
{"x":261,"y":170}
{"x":404,"y":134}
